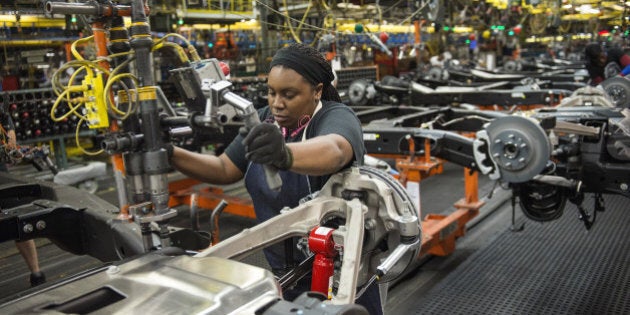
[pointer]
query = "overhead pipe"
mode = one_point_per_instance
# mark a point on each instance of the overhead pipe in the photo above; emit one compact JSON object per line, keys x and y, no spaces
{"x":89,"y":8}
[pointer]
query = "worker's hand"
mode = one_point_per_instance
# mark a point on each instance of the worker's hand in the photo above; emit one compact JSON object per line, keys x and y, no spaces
{"x":264,"y":144}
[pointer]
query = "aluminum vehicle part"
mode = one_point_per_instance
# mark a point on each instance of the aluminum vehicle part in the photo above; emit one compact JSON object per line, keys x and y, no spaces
{"x":378,"y":216}
{"x":158,"y":284}
{"x":589,"y":96}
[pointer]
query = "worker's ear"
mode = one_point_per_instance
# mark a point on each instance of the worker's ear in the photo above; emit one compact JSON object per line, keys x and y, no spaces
{"x":319,"y":88}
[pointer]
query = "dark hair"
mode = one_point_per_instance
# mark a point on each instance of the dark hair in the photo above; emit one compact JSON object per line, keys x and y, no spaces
{"x":592,"y":51}
{"x":309,"y":63}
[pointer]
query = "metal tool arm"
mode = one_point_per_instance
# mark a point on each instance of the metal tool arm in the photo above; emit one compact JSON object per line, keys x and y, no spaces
{"x":220,"y":92}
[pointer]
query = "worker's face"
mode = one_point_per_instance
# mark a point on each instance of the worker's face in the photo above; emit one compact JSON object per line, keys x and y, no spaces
{"x":601,"y":59}
{"x":291,"y":97}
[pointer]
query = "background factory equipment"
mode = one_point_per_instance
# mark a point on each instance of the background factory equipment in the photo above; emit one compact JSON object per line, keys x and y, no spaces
{"x":495,"y":179}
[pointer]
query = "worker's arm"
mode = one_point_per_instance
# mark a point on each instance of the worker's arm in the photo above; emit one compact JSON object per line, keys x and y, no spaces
{"x":321,"y":155}
{"x":206,"y":168}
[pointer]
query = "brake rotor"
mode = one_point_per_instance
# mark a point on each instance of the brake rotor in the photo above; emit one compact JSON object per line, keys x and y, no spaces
{"x":618,"y":88}
{"x":357,"y":92}
{"x":510,"y":66}
{"x":401,"y":194}
{"x":437,"y":74}
{"x":519,"y":147}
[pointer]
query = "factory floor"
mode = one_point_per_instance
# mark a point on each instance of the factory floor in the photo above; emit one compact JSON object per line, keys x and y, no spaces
{"x":557,"y":267}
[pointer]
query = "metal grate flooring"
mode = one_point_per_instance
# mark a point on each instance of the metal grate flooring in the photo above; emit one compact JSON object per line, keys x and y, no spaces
{"x":552,"y":268}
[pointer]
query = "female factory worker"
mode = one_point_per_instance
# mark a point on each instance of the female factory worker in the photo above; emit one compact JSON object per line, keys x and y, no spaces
{"x":602,"y":64}
{"x":306,"y":133}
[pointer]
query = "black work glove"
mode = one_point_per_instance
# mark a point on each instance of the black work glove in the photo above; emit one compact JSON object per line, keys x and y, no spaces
{"x":264,"y":144}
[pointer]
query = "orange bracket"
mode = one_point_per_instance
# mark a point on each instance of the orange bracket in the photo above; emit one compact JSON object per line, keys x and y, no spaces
{"x":207,"y":198}
{"x":415,"y":168}
{"x":440,"y":231}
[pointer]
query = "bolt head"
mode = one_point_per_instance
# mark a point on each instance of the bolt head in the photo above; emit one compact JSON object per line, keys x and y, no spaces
{"x":28,"y":228}
{"x":40,"y":225}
